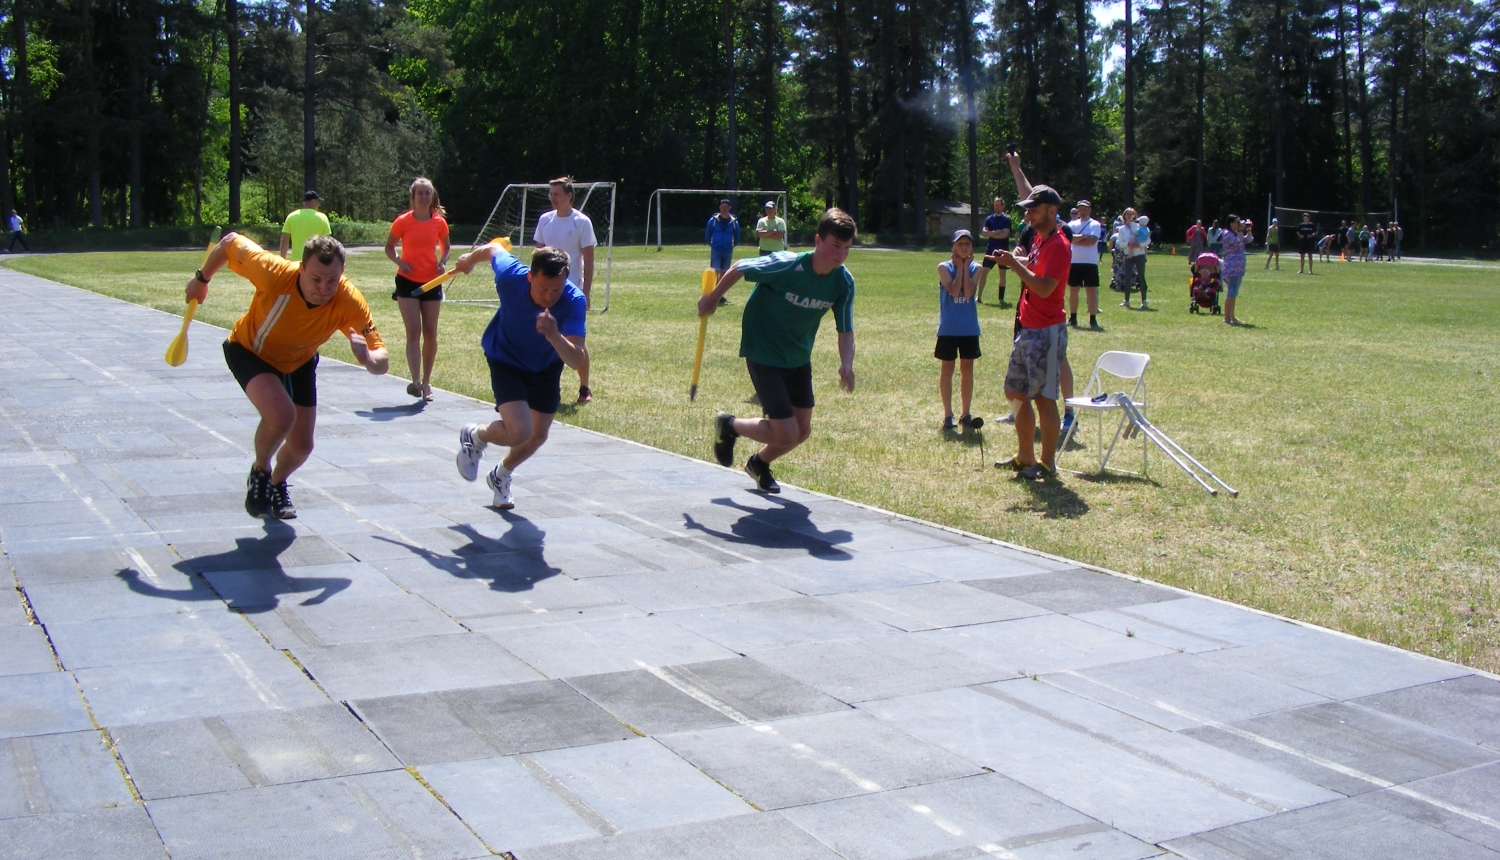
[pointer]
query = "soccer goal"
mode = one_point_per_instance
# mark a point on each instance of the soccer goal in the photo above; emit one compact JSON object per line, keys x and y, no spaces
{"x":515,"y":216}
{"x":700,"y":203}
{"x":1326,"y":220}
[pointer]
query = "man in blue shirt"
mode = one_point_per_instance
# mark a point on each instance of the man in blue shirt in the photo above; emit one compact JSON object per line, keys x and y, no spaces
{"x":997,"y":231}
{"x":539,"y":327}
{"x":721,"y":234}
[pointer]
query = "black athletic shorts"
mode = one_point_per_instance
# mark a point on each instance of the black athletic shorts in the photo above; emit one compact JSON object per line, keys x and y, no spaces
{"x":781,"y":389}
{"x":951,"y":346}
{"x":301,"y":384}
{"x":1307,"y":246}
{"x":1083,"y":275}
{"x":541,"y":390}
{"x":990,"y":263}
{"x":406,"y":288}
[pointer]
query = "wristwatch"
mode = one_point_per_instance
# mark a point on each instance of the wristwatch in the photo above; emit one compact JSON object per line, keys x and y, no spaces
{"x":199,"y":276}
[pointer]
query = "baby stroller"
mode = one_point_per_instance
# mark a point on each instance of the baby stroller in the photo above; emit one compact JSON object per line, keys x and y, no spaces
{"x":1205,"y":285}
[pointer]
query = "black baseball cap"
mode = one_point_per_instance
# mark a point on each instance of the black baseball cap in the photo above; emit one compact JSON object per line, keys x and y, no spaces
{"x":1041,"y":194}
{"x":311,"y":195}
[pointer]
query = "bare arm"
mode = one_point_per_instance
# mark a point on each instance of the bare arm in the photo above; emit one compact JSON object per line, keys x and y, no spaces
{"x":710,"y":303}
{"x":482,"y":254}
{"x":390,"y":252}
{"x":846,"y":360}
{"x":570,"y":349}
{"x":1043,"y":287}
{"x":196,"y":289}
{"x":286,"y":242}
{"x":377,"y":361}
{"x":588,"y":269}
{"x":1023,"y":187}
{"x":946,"y":280}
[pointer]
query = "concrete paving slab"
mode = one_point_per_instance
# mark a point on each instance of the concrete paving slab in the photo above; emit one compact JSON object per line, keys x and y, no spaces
{"x":1072,"y":591}
{"x":1198,"y":689}
{"x":253,"y":590}
{"x":386,"y":814}
{"x":454,"y":725}
{"x":821,"y":574}
{"x":364,"y":670}
{"x":126,"y":593}
{"x":1336,"y":666}
{"x":649,"y":704}
{"x":803,"y":760}
{"x":933,"y":606}
{"x":1466,"y":707}
{"x":41,"y":704}
{"x":1462,"y":803}
{"x":248,"y":750}
{"x":670,"y":590}
{"x":879,"y":667}
{"x":72,"y":772}
{"x":196,"y":687}
{"x":562,"y":650}
{"x":766,"y":836}
{"x":1042,"y":643}
{"x":750,"y":689}
{"x":26,"y":649}
{"x":751,"y":627}
{"x":1215,"y":621}
{"x":120,"y":641}
{"x":506,"y":806}
{"x":122,"y":833}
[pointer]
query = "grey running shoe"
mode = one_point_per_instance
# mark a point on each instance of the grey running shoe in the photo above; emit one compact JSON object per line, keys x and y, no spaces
{"x":724,"y":437}
{"x":761,"y":472}
{"x":501,"y":485}
{"x":470,"y":452}
{"x":281,"y":502}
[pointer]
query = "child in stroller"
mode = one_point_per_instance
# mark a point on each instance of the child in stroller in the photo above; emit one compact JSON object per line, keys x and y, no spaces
{"x":1205,"y":286}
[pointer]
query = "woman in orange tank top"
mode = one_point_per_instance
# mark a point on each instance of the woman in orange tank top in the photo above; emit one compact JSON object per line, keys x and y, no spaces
{"x":422,"y":232}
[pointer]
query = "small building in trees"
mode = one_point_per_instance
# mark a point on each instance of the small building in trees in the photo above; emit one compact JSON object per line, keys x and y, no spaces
{"x":945,"y":216}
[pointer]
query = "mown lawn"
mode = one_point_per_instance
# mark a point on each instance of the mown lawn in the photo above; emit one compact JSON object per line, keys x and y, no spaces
{"x":1356,"y":415}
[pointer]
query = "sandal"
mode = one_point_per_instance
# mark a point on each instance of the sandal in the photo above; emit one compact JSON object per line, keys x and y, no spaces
{"x":427,"y":393}
{"x":1037,"y":471}
{"x":414,"y":389}
{"x":1011,"y":463}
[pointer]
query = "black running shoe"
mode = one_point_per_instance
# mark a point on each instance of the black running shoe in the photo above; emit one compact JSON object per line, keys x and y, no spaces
{"x":761,"y":472}
{"x":724,"y":437}
{"x":281,"y":502}
{"x":258,"y":493}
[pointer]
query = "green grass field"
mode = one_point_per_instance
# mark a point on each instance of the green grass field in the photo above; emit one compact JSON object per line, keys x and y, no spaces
{"x":1356,"y":414}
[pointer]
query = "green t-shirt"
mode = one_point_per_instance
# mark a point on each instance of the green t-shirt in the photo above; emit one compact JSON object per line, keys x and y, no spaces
{"x":782,"y":317}
{"x":303,"y":225}
{"x":769,"y":224}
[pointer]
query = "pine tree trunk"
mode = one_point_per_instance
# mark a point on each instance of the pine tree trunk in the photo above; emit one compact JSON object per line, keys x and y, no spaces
{"x":850,"y":172}
{"x":731,"y":179}
{"x":23,"y":137}
{"x":232,"y":13}
{"x":769,"y":76}
{"x":135,"y":38}
{"x":1366,"y":147}
{"x":1085,"y":107}
{"x":1348,"y":153}
{"x":1129,"y":111}
{"x":309,"y":113}
{"x":91,"y":134}
{"x":1202,"y":73}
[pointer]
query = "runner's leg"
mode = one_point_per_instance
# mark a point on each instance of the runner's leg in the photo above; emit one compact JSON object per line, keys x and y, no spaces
{"x":298,"y":445}
{"x":411,"y":318}
{"x":430,"y":311}
{"x":779,"y":436}
{"x":277,"y":415}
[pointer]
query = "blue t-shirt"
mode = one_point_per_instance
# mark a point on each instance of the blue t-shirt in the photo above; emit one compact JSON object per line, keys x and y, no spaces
{"x":997,"y":222}
{"x":511,"y":336}
{"x":958,"y":317}
{"x":722,"y":232}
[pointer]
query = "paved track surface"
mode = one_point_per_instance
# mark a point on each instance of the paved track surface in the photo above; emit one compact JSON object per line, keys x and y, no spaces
{"x":643,"y":660}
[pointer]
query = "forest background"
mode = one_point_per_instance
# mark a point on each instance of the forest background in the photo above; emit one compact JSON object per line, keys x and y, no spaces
{"x":138,"y":113}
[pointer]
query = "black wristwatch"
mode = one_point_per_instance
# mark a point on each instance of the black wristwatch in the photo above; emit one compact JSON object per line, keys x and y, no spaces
{"x":199,"y":275}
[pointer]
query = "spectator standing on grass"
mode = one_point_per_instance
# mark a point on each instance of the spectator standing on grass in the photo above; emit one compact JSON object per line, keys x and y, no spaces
{"x":1132,"y":238}
{"x":721,"y":234}
{"x":572,"y":231}
{"x":422,"y":232}
{"x":1086,"y":234}
{"x":1364,"y":244}
{"x":1400,"y":234}
{"x":303,"y":224}
{"x":1041,"y":348}
{"x":17,"y":233}
{"x":1215,"y":239}
{"x":1197,"y":242}
{"x":959,"y":282}
{"x":1273,"y":244}
{"x":771,"y":230}
{"x":1025,"y":245}
{"x":996,"y":232}
{"x":1233,"y":268}
{"x":1307,"y":243}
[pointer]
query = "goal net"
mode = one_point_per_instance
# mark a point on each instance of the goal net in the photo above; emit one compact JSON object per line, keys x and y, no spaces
{"x":1327,"y":220}
{"x":515,"y":216}
{"x":680,"y":213}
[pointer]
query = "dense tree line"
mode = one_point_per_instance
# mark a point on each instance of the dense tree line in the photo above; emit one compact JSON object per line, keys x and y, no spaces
{"x":145,"y":112}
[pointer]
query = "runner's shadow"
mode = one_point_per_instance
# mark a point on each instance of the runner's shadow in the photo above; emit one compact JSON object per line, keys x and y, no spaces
{"x":1052,"y":499}
{"x":249,"y":577}
{"x":788,"y":526}
{"x":391,"y":413}
{"x":506,"y":568}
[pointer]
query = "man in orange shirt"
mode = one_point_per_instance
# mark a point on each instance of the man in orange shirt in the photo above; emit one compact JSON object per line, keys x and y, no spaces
{"x":273,"y":350}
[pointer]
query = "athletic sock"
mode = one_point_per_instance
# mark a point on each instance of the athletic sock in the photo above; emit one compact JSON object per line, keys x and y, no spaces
{"x":502,"y":471}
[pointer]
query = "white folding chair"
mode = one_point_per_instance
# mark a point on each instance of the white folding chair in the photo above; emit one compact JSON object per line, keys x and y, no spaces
{"x":1126,"y":367}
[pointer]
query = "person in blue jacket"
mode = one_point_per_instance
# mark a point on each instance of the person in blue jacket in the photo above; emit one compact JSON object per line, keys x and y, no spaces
{"x":722,"y":234}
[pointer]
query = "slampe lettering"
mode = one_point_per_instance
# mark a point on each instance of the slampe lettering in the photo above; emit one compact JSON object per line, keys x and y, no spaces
{"x":805,"y":302}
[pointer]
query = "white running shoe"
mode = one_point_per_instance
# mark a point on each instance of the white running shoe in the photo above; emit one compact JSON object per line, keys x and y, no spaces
{"x":470,"y":452}
{"x":501,"y":485}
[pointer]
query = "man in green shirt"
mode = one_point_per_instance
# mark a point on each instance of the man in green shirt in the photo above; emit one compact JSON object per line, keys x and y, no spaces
{"x":304,"y":224}
{"x":792,"y":293}
{"x":771,"y":231}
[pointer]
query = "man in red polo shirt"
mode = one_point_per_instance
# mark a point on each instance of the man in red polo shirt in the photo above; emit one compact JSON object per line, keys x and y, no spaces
{"x":1041,"y":347}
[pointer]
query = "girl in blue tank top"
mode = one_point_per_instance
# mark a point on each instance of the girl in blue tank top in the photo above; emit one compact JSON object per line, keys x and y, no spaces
{"x":960,"y":280}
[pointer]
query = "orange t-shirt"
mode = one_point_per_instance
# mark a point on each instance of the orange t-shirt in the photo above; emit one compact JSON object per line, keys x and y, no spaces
{"x":419,"y":243}
{"x":280,"y":326}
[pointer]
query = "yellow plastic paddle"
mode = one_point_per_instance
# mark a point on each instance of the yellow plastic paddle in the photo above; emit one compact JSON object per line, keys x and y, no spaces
{"x":177,"y":349}
{"x":707,"y":282}
{"x":453,"y":273}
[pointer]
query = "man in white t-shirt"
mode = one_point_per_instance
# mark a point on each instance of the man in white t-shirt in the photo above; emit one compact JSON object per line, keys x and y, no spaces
{"x":1084,"y":272}
{"x":571,"y":230}
{"x":17,"y":233}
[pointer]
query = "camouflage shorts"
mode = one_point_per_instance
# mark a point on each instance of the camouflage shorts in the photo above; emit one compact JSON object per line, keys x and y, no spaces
{"x":1034,"y":361}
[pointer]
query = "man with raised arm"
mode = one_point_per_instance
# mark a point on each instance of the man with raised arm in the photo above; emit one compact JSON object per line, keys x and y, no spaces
{"x":273,"y":350}
{"x":792,"y":294}
{"x":539,"y":327}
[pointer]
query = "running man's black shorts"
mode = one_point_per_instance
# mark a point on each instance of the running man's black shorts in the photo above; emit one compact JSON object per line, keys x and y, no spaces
{"x":541,"y":390}
{"x":781,"y":389}
{"x":1083,"y":275}
{"x":301,"y":384}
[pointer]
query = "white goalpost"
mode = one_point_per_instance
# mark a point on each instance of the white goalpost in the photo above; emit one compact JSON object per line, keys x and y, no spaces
{"x":515,"y":216}
{"x":755,"y":197}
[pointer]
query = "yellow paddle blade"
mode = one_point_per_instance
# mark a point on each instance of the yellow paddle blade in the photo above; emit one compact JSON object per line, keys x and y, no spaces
{"x":212,"y":241}
{"x":709,"y":280}
{"x":502,"y":241}
{"x":440,"y":279}
{"x":178,"y":348}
